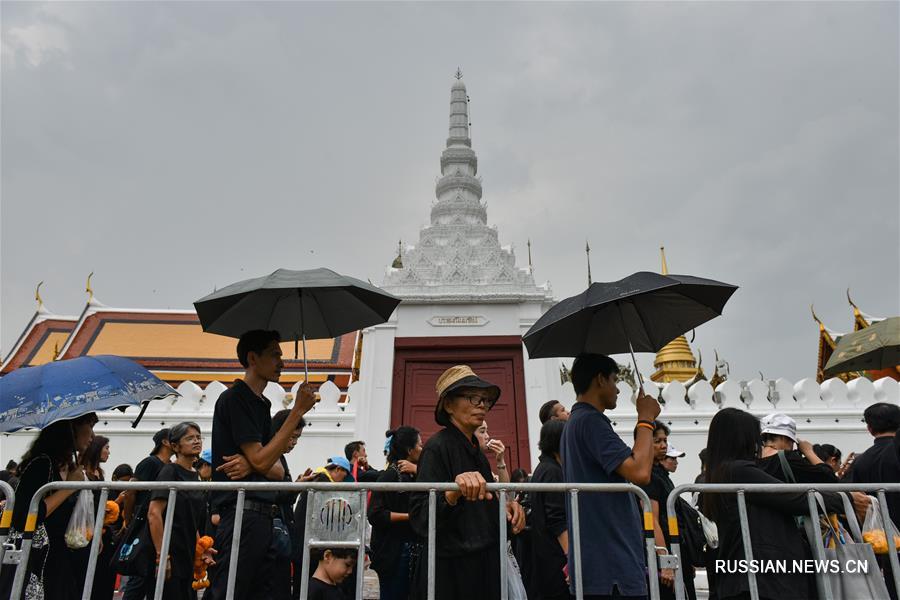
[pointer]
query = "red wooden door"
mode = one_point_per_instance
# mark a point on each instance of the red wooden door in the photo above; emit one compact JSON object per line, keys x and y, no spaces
{"x":417,"y":370}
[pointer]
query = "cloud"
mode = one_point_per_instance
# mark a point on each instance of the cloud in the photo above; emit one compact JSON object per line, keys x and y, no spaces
{"x":173,"y":147}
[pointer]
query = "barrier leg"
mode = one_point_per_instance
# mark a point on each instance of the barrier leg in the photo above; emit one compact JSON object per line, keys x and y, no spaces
{"x":576,"y":543}
{"x":361,"y":553}
{"x":822,"y":584}
{"x":304,"y":579}
{"x":432,"y":545}
{"x":27,"y":535}
{"x":95,"y":546}
{"x":650,"y":542}
{"x":504,"y":566}
{"x":675,"y":543}
{"x":235,"y":544}
{"x":748,"y":545}
{"x":892,"y":550}
{"x":164,"y":549}
{"x":5,"y":522}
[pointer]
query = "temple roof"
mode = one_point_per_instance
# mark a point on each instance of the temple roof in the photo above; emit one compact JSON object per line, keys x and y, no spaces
{"x":172,"y":344}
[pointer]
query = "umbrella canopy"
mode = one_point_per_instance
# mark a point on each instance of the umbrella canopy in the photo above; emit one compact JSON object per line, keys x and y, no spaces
{"x":67,"y":389}
{"x":870,"y":349}
{"x":314,"y":304}
{"x":641,"y":313}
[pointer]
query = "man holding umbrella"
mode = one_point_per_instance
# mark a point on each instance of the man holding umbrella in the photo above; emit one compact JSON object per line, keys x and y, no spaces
{"x":244,"y":449}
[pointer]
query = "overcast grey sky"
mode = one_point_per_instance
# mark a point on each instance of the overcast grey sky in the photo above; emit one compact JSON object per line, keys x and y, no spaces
{"x":171,"y":148}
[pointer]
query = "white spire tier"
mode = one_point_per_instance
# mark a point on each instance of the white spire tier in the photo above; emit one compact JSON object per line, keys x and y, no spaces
{"x":458,"y":257}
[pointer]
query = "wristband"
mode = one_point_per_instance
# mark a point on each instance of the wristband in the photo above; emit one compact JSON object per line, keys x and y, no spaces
{"x":501,"y":466}
{"x":646,"y":426}
{"x":650,"y":423}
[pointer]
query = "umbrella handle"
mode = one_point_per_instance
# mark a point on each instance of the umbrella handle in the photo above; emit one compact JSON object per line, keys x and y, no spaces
{"x":303,"y":334}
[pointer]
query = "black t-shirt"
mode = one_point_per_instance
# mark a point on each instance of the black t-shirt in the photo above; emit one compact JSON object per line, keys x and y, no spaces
{"x":146,"y":470}
{"x":658,"y":489}
{"x":190,"y":516}
{"x":319,"y":590}
{"x":240,"y":417}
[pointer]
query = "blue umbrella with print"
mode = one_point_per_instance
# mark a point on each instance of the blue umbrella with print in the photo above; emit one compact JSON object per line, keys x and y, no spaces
{"x":35,"y":397}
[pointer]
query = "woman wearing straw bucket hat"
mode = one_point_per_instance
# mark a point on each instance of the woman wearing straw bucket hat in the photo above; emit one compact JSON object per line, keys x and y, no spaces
{"x":468,"y":542}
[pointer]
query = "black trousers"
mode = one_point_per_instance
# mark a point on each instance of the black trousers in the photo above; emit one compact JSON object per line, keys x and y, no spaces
{"x":255,"y":559}
{"x":474,"y":576}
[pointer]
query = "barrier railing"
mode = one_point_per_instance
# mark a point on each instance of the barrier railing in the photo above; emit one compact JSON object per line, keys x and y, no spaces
{"x":818,"y":547}
{"x":501,"y":489}
{"x":6,"y":518}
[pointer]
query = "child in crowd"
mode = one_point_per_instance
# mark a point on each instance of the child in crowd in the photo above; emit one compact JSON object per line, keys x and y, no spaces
{"x":334,"y":567}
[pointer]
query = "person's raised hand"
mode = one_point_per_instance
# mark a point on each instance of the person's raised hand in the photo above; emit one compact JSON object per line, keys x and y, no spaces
{"x":497,"y":447}
{"x":515,"y":514}
{"x":647,"y":407}
{"x":805,"y":447}
{"x":235,"y":467}
{"x":410,"y":468}
{"x":306,"y":399}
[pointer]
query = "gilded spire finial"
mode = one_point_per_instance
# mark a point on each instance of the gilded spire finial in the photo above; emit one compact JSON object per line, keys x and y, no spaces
{"x":88,"y":288}
{"x":458,"y":73}
{"x":587,"y":250}
{"x":816,"y":318}
{"x":37,"y":296}
{"x":56,"y":351}
{"x":662,"y":254}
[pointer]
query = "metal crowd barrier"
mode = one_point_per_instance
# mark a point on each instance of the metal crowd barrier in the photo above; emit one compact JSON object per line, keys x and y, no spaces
{"x":6,"y":518}
{"x":315,"y":489}
{"x":822,"y":582}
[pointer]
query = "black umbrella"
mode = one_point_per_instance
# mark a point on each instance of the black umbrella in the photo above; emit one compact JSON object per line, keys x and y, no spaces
{"x":314,"y":304}
{"x":641,"y":313}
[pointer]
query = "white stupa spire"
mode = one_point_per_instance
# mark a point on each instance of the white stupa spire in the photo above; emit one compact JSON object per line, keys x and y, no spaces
{"x":458,"y":256}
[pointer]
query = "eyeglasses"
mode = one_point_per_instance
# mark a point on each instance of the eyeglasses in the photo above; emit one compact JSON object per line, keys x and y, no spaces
{"x":477,"y":400}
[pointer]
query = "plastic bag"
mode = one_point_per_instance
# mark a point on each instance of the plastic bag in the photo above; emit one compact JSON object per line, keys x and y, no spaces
{"x":81,"y":524}
{"x":516,"y":589}
{"x":875,"y":531}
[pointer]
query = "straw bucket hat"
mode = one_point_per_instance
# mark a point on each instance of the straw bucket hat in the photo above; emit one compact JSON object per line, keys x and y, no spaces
{"x":455,"y":378}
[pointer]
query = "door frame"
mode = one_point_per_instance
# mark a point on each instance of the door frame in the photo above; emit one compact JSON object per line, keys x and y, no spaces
{"x":463,"y":349}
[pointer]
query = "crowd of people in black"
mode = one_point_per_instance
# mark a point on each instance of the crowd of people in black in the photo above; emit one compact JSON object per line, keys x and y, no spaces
{"x":249,"y":444}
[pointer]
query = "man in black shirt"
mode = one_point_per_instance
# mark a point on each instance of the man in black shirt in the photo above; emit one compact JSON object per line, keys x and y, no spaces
{"x":881,"y":464}
{"x":136,"y":504}
{"x":245,"y":449}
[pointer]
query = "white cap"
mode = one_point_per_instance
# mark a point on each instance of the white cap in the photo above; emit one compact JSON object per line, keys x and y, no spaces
{"x":673,"y":452}
{"x":779,"y":424}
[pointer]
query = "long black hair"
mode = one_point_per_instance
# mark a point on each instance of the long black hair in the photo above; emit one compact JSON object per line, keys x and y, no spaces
{"x":403,"y":440}
{"x":733,"y":435}
{"x":57,"y":441}
{"x":90,"y":459}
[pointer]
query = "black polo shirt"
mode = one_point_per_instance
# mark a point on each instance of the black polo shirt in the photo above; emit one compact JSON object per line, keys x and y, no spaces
{"x":880,"y":464}
{"x":240,"y":417}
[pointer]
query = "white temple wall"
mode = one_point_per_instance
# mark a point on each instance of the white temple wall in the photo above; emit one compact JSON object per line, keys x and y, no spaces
{"x":826,"y":413}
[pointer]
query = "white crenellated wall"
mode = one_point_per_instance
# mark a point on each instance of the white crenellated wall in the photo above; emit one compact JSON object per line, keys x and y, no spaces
{"x":826,"y":413}
{"x":331,"y":424}
{"x":830,"y":412}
